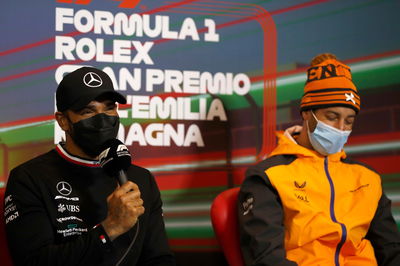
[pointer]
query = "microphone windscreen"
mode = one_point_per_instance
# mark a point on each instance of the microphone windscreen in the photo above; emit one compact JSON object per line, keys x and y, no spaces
{"x":114,"y":157}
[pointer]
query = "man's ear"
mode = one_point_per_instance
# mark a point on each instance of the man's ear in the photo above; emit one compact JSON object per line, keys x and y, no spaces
{"x":62,"y":120}
{"x":309,"y":120}
{"x":306,"y":115}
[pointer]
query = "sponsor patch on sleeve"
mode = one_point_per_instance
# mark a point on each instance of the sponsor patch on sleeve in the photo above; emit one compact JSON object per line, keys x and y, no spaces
{"x":248,"y":204}
{"x":10,"y":209}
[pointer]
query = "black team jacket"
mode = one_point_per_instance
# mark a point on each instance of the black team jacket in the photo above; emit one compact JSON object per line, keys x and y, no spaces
{"x":53,"y":207}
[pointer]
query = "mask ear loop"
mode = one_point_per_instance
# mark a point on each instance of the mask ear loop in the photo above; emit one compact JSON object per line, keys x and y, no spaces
{"x":308,"y":125}
{"x":70,"y":125}
{"x":315,"y":117}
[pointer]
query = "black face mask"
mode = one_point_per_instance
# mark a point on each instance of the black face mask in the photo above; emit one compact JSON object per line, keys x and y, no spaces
{"x":91,"y":133}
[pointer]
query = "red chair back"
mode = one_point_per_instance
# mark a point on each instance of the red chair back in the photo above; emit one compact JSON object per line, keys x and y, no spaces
{"x":5,"y":258}
{"x":225,"y":225}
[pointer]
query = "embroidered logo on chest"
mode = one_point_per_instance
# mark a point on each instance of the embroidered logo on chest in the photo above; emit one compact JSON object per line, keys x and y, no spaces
{"x":302,"y":185}
{"x":300,"y":191}
{"x":64,"y":188}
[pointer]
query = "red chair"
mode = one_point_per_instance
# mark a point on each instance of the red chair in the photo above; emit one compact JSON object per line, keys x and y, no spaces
{"x":225,"y":225}
{"x":5,"y":258}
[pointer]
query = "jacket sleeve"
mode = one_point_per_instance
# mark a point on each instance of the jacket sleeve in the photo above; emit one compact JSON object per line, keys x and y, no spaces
{"x":156,"y":250}
{"x":31,"y":235}
{"x":260,"y":216}
{"x":384,"y":234}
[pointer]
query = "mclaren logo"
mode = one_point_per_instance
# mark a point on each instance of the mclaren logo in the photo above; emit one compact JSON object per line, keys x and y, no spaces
{"x":92,"y":80}
{"x":64,"y":188}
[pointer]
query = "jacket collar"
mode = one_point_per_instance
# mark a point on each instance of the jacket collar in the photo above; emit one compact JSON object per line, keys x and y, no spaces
{"x":75,"y":160}
{"x":287,"y":145}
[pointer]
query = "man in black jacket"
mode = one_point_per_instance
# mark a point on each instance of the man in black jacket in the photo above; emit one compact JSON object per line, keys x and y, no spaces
{"x":61,"y":208}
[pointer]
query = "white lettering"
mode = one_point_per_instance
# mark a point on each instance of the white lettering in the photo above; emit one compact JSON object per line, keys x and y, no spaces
{"x":105,"y":22}
{"x":158,"y":134}
{"x":179,"y":108}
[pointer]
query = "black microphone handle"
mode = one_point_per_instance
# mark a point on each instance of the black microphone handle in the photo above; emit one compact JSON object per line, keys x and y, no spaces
{"x":122,"y":179}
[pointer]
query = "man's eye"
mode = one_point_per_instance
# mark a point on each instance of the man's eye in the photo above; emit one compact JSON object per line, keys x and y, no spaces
{"x":85,"y":112}
{"x":331,"y":118}
{"x":111,"y":107}
{"x":349,"y":122}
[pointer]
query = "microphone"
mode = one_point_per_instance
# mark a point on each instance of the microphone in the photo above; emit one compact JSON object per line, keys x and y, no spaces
{"x":115,"y":160}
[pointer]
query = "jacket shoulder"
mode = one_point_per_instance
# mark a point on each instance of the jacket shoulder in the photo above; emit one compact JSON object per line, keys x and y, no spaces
{"x":273,"y":161}
{"x":354,"y":162}
{"x":138,"y":170}
{"x":42,"y":160}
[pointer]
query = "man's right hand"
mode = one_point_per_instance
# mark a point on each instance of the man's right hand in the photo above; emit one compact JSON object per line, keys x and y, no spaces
{"x":124,"y":208}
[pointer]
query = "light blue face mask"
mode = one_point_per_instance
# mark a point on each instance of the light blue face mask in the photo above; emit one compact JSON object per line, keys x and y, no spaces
{"x":326,"y":139}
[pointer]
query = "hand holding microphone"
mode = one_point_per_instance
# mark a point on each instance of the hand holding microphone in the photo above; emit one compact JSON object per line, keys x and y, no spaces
{"x":124,"y":204}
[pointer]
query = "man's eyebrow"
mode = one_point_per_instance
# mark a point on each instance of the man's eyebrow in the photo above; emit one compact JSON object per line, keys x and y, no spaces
{"x":338,"y":114}
{"x":332,"y":112}
{"x":89,"y":106}
{"x":110,"y":103}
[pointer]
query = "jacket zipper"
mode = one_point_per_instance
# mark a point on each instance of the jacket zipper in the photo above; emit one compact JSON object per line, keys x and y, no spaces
{"x":332,"y":213}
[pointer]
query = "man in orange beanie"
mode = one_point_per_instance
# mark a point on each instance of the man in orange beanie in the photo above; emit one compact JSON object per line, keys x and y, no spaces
{"x":308,"y":204}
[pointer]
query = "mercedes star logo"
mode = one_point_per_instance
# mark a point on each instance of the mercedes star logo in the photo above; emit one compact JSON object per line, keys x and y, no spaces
{"x":64,"y":188}
{"x":93,"y":80}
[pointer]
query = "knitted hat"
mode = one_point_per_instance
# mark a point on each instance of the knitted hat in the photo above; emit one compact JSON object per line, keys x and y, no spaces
{"x":329,"y":84}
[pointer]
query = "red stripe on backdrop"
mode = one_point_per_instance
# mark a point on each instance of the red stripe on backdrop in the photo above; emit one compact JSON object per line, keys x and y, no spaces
{"x":75,"y":33}
{"x":44,"y":69}
{"x":382,"y":164}
{"x":27,"y":46}
{"x":39,"y":70}
{"x":27,"y":121}
{"x":200,"y":178}
{"x":185,"y":244}
{"x":374,"y":138}
{"x":192,"y":180}
{"x":163,"y":8}
{"x":299,"y":6}
{"x":187,"y":214}
{"x":239,"y":175}
{"x":39,"y":43}
{"x":244,"y":152}
{"x":198,"y":157}
{"x":302,"y":70}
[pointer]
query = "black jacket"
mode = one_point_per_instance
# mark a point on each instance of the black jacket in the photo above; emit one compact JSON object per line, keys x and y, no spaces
{"x":53,"y":206}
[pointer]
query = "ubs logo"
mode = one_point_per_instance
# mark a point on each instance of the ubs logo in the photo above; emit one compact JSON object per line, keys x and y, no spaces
{"x":92,"y":80}
{"x":68,"y":207}
{"x":64,"y":188}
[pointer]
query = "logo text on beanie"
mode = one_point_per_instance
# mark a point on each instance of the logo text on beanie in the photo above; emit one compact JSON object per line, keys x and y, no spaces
{"x":328,"y":71}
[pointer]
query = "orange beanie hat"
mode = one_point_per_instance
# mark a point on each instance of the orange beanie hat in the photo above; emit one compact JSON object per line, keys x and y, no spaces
{"x":329,"y":84}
